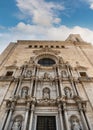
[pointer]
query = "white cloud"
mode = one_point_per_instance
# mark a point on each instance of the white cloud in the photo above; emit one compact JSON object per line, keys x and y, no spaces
{"x":24,"y":31}
{"x":90,"y":2}
{"x":39,"y":11}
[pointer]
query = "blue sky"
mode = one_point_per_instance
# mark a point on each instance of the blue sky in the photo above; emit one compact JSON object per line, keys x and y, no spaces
{"x":45,"y":19}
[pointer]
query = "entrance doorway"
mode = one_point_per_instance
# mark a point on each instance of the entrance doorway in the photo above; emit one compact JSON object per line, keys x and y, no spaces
{"x":46,"y":123}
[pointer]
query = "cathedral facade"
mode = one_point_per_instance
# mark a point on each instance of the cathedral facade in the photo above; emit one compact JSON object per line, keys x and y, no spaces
{"x":47,"y":85}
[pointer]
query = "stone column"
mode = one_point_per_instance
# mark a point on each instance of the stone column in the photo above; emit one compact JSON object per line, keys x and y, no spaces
{"x":9,"y":116}
{"x":74,"y":90}
{"x":61,"y":88}
{"x":58,"y":81}
{"x":66,"y":116}
{"x":24,"y":71}
{"x":34,"y":92}
{"x":20,"y":82}
{"x":60,"y":116}
{"x":26,"y":116}
{"x":71,"y":79}
{"x":82,"y":116}
{"x":89,"y":123}
{"x":68,"y":70}
{"x":31,"y":85}
{"x":15,"y":87}
{"x":31,"y":116}
{"x":4,"y":120}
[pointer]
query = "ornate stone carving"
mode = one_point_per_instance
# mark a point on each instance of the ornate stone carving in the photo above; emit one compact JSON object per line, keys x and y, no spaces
{"x":44,"y":50}
{"x":24,"y":92}
{"x":17,"y":124}
{"x":28,"y":73}
{"x":46,"y":102}
{"x":75,"y":123}
{"x":46,"y":76}
{"x":46,"y":93}
{"x":67,"y":92}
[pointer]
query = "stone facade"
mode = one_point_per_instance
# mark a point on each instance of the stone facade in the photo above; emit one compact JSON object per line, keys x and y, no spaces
{"x":47,"y":85}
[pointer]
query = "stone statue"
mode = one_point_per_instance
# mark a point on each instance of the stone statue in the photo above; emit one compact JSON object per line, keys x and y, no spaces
{"x":24,"y":92}
{"x":46,"y":93}
{"x":68,"y":92}
{"x":63,"y":73}
{"x":46,"y":76}
{"x":28,"y":73}
{"x":16,"y":125}
{"x":75,"y":124}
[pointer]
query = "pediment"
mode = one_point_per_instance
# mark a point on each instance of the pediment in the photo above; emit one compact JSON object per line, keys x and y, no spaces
{"x":11,"y":67}
{"x":80,"y":67}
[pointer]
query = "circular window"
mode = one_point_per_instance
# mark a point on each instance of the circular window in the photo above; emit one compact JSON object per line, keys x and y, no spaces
{"x":46,"y":62}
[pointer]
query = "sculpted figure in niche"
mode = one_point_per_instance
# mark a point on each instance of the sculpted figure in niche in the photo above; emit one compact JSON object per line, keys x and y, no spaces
{"x":46,"y":76}
{"x":17,"y":124}
{"x":63,"y":73}
{"x":67,"y":92}
{"x":24,"y":92}
{"x":75,"y":124}
{"x":29,"y":73}
{"x":46,"y":93}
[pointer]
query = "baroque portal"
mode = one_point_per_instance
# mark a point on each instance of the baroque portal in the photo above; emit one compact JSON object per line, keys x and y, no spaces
{"x":43,"y":88}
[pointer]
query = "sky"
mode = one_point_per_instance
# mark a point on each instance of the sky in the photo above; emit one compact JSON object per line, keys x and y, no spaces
{"x":45,"y":20}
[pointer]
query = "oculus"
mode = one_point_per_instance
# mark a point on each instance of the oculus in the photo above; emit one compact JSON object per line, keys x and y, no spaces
{"x":47,"y":62}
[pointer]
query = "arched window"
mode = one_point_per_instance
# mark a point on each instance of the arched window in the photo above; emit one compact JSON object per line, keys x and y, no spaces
{"x":75,"y":124}
{"x":17,"y":123}
{"x":24,"y":92}
{"x":46,"y":93}
{"x":67,"y":92}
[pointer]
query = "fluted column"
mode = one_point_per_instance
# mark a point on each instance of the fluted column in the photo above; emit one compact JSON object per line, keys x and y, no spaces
{"x":15,"y":87}
{"x":82,"y":116}
{"x":61,"y":87}
{"x":58,"y":81}
{"x":66,"y":117}
{"x":71,"y":79}
{"x":34,"y":92}
{"x":89,"y":123}
{"x":26,"y":116}
{"x":31,"y":86}
{"x":9,"y":116}
{"x":4,"y":120}
{"x":19,"y":85}
{"x":60,"y":116}
{"x":31,"y":116}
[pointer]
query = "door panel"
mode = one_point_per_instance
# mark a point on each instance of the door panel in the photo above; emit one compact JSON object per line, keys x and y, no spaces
{"x":46,"y":123}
